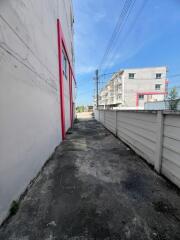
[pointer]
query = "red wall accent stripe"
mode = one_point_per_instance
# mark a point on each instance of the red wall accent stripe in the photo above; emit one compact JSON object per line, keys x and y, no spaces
{"x":61,"y":84}
{"x":147,"y":93}
{"x":65,"y":49}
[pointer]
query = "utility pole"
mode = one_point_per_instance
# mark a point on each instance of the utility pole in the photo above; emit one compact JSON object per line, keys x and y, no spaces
{"x":97,"y":90}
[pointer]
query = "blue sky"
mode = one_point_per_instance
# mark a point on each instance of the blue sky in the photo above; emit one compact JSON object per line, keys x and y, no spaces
{"x":151,"y":37}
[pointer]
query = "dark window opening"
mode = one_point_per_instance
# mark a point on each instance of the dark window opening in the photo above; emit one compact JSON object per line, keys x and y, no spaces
{"x":131,"y":75}
{"x":141,"y":97}
{"x":64,"y":65}
{"x":158,"y":75}
{"x":158,"y":87}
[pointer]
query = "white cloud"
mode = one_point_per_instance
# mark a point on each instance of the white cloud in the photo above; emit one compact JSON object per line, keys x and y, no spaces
{"x":83,"y":69}
{"x":99,"y":16}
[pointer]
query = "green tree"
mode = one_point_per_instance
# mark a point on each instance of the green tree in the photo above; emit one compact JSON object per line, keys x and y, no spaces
{"x":173,"y":101}
{"x":80,"y":109}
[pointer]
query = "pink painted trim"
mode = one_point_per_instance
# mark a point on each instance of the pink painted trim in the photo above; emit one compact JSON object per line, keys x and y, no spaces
{"x":137,"y":100}
{"x":65,"y":49}
{"x":147,"y":93}
{"x":61,"y":84}
{"x":62,"y":46}
{"x":151,"y":93}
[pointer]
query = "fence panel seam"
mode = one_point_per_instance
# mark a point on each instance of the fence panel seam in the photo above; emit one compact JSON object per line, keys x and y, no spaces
{"x":159,"y":141}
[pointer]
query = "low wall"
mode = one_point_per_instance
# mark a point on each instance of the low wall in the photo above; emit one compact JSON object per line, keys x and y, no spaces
{"x":154,"y":135}
{"x":159,"y":105}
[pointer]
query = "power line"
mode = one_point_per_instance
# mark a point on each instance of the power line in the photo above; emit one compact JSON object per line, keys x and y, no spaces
{"x":111,"y":54}
{"x":109,"y":43}
{"x":126,"y":10}
{"x":124,"y":14}
{"x":121,"y":25}
{"x":118,"y":24}
{"x":115,"y":45}
{"x":130,"y":28}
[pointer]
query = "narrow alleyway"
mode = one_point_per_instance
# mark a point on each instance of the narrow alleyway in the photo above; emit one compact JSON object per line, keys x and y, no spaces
{"x":95,"y":187}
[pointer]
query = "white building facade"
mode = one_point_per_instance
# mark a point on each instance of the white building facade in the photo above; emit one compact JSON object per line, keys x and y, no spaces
{"x":132,"y":88}
{"x":37,"y":88}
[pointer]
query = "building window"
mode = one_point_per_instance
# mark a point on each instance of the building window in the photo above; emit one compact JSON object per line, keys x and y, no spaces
{"x":141,"y":97}
{"x":158,"y":75}
{"x":119,"y":96}
{"x":119,"y":87}
{"x":64,"y":64}
{"x":158,"y":86}
{"x":131,"y":75}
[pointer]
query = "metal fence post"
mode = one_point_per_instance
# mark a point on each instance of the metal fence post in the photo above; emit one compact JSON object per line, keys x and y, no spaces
{"x":159,"y":141}
{"x":104,"y":117}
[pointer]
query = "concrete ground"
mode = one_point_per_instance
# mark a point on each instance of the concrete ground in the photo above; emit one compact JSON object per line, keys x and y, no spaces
{"x":95,"y":187}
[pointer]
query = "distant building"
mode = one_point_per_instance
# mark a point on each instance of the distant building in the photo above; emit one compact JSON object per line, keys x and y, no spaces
{"x":132,"y":88}
{"x":90,"y":108}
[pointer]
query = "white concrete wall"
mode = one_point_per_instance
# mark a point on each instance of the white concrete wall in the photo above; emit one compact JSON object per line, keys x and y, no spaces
{"x":96,"y":114}
{"x":30,"y":126}
{"x":153,"y":135}
{"x":101,"y":116}
{"x":159,"y":105}
{"x":171,"y":148}
{"x":139,"y":131}
{"x":110,"y":120}
{"x":144,"y":81}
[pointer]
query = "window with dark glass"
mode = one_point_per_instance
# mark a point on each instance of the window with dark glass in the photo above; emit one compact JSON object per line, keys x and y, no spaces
{"x":158,"y":75}
{"x":131,"y":75}
{"x":157,"y":86}
{"x":64,"y":65}
{"x":141,"y":96}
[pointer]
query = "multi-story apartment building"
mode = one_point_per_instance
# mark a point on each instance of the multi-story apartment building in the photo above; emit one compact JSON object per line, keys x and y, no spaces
{"x":131,"y":88}
{"x":37,"y":88}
